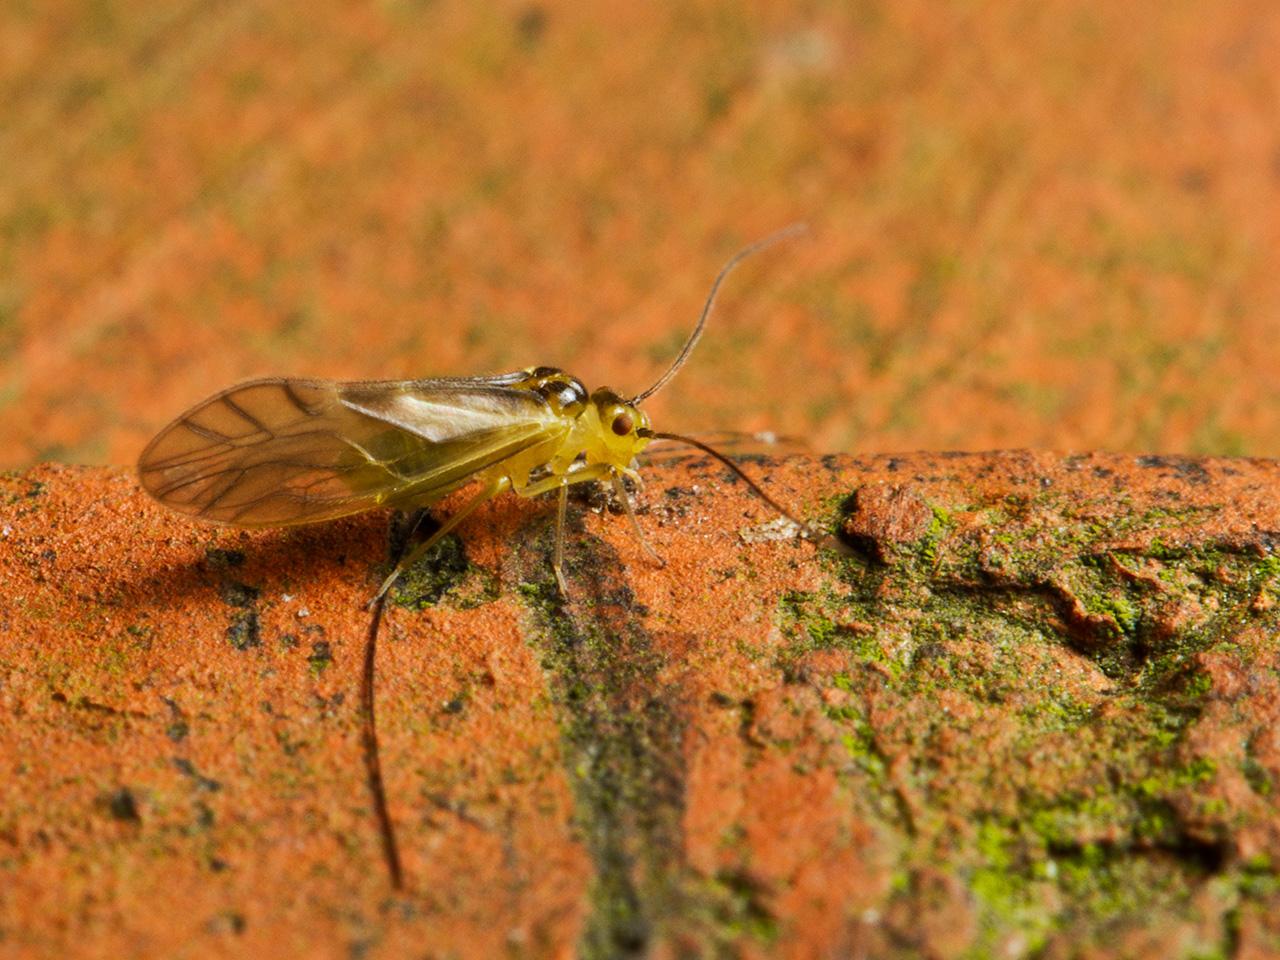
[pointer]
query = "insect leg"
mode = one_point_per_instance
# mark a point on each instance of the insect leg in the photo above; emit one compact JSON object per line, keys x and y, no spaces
{"x":632,"y":472}
{"x":557,"y":556}
{"x":594,"y":471}
{"x":488,"y":493}
{"x":620,"y":489}
{"x":561,"y":482}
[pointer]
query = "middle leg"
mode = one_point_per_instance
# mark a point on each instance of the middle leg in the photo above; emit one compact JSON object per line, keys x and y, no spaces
{"x":562,"y":482}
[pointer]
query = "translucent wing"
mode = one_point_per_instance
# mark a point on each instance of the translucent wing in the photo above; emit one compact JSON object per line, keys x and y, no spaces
{"x":276,"y":452}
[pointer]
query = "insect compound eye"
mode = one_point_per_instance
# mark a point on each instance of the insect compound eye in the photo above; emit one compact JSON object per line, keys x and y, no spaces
{"x":623,"y":424}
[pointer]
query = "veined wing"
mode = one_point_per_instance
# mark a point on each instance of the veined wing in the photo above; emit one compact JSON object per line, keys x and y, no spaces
{"x":283,"y":451}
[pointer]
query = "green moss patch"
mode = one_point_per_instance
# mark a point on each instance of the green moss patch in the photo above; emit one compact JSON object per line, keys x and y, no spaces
{"x":1031,"y":703}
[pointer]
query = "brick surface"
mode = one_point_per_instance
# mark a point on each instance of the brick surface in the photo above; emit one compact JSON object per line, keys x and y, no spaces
{"x":1042,"y":721}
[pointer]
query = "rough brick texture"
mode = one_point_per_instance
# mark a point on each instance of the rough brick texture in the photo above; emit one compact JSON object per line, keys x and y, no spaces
{"x":1034,"y":712}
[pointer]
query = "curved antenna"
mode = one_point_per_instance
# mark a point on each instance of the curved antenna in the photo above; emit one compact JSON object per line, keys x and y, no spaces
{"x":369,"y":738}
{"x":809,"y":530}
{"x":784,"y":234}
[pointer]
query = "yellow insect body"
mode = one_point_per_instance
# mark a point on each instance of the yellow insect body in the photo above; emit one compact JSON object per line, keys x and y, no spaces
{"x":281,"y":451}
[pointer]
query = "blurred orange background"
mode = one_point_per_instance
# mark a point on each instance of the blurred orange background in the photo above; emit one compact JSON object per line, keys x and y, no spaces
{"x":1046,"y":224}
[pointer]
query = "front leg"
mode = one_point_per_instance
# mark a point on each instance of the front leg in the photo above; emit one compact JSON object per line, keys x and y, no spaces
{"x":575,"y":474}
{"x":557,"y":555}
{"x":561,"y":482}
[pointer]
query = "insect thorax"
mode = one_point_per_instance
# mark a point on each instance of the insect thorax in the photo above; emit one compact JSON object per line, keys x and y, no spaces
{"x":566,"y":394}
{"x":605,"y":428}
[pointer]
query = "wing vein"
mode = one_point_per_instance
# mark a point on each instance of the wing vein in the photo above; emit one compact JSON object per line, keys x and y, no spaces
{"x":321,"y":449}
{"x":253,"y":421}
{"x":206,"y":433}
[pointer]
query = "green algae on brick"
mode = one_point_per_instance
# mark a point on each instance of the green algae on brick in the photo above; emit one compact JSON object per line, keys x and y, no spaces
{"x":1072,"y":799}
{"x":444,"y":574}
{"x":621,"y":735}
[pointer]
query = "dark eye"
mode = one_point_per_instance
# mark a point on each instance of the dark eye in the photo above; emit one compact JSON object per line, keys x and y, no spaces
{"x":623,"y":424}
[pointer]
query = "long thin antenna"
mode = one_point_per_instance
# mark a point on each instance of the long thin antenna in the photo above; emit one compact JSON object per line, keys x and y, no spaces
{"x":369,"y":736}
{"x":812,"y":532}
{"x":784,"y":234}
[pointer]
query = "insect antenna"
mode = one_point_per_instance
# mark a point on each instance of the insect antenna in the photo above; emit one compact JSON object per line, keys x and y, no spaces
{"x":784,"y":234}
{"x":369,"y":727}
{"x":373,"y":765}
{"x":809,"y":530}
